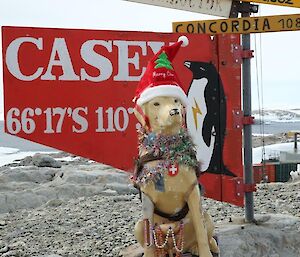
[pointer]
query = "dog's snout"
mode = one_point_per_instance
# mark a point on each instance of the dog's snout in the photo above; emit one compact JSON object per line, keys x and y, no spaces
{"x":174,"y":111}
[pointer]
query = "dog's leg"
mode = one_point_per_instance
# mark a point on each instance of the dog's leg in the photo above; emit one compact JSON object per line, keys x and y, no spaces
{"x":148,"y":211}
{"x":213,"y":246}
{"x":194,"y":204}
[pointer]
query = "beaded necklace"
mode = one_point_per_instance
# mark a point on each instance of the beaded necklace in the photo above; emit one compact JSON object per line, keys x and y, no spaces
{"x":173,"y":149}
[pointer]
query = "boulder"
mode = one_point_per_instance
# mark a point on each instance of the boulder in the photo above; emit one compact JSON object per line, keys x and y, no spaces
{"x":274,"y":235}
{"x":23,"y":187}
{"x":44,"y":160}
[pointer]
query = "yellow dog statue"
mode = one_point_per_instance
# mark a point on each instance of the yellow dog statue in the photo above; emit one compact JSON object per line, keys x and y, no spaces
{"x":173,"y":222}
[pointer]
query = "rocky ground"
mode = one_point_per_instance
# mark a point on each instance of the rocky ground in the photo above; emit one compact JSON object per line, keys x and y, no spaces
{"x":258,"y":140}
{"x":80,"y":208}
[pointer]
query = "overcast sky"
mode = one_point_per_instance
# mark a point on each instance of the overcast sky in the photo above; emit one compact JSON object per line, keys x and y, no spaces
{"x":280,"y":55}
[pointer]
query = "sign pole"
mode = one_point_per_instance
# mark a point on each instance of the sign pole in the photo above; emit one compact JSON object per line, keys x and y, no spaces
{"x":248,"y":170}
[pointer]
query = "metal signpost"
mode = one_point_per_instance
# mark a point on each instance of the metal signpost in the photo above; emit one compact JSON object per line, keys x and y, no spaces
{"x":248,"y":164}
{"x":273,"y":23}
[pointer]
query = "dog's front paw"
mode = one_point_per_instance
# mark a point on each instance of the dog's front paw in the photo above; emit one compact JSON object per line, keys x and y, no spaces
{"x":194,"y":250}
{"x":149,"y":252}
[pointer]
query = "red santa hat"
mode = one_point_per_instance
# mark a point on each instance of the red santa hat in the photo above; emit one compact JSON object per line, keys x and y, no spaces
{"x":160,"y":78}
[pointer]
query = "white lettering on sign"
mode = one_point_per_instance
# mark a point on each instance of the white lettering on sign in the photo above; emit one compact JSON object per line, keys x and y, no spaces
{"x":60,"y":49}
{"x":12,"y":58}
{"x":113,"y":119}
{"x":98,"y":61}
{"x":247,"y":25}
{"x":81,"y":122}
{"x":124,"y":60}
{"x":60,"y":57}
{"x":109,"y":120}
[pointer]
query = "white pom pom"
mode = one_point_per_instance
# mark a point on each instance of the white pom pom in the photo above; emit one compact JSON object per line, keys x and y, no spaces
{"x":184,"y":39}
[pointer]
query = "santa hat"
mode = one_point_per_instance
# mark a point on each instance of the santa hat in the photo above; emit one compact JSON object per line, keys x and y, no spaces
{"x":160,"y":78}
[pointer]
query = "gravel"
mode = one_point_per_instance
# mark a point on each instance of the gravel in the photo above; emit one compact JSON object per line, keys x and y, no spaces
{"x":103,"y":225}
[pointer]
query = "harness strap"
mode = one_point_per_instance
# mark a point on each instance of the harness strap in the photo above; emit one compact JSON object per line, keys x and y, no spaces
{"x":183,"y":212}
{"x":176,"y":216}
{"x":187,"y":194}
{"x":140,"y":162}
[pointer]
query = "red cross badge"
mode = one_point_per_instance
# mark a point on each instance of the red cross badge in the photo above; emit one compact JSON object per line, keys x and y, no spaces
{"x":173,"y":169}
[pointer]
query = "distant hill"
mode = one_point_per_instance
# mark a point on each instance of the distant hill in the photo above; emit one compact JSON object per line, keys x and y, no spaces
{"x":292,"y":115}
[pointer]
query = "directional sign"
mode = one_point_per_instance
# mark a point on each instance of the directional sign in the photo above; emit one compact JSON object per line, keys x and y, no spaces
{"x":72,"y":90}
{"x":240,"y":25}
{"x":289,"y":3}
{"x":213,"y":7}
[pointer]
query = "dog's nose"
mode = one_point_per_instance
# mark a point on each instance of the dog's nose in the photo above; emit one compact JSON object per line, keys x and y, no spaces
{"x":174,"y":111}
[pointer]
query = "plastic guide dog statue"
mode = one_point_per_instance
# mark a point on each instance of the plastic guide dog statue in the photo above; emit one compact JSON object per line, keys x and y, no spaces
{"x":173,"y":222}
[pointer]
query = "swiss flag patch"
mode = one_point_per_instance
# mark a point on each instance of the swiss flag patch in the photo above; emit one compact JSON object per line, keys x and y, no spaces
{"x":173,"y":169}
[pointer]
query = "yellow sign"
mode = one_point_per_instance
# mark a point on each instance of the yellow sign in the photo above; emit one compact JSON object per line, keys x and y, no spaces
{"x":240,"y":25}
{"x":290,"y":3}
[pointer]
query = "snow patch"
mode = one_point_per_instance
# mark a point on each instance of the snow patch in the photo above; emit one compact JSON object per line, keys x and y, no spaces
{"x":260,"y":135}
{"x":68,"y":158}
{"x":271,"y":151}
{"x":8,"y":150}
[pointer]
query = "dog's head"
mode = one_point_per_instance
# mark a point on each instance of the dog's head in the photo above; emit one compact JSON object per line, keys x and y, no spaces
{"x":164,"y":114}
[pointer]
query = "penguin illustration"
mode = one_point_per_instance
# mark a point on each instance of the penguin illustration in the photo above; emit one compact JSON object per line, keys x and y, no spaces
{"x":206,"y":116}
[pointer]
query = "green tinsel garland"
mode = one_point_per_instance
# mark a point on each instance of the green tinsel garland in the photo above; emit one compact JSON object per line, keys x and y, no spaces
{"x":172,"y":149}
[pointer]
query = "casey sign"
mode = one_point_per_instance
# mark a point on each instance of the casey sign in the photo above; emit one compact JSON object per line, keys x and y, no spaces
{"x":73,"y":89}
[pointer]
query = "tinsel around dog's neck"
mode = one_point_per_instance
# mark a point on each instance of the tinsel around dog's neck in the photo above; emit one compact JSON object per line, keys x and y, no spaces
{"x":170,"y":150}
{"x":177,"y":148}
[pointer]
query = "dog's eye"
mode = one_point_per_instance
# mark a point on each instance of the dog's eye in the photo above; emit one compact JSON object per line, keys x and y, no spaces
{"x":176,"y":100}
{"x":156,"y":104}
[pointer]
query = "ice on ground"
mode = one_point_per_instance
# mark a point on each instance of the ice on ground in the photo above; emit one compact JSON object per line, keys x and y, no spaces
{"x":260,"y":135}
{"x":9,"y":155}
{"x":270,"y":151}
{"x":8,"y":150}
{"x":68,"y":158}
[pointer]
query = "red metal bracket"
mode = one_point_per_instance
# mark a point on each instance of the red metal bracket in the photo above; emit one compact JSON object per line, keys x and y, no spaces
{"x":242,"y":188}
{"x":246,"y":54}
{"x":248,"y":120}
{"x":239,"y":54}
{"x":239,"y":120}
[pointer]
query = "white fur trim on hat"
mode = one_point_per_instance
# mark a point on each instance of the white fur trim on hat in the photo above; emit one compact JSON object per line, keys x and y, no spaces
{"x":163,"y":90}
{"x":184,"y":39}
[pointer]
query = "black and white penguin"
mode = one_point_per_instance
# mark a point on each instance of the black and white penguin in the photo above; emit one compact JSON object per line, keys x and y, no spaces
{"x":206,"y":116}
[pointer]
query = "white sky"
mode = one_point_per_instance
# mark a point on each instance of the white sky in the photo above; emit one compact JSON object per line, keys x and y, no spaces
{"x":280,"y":58}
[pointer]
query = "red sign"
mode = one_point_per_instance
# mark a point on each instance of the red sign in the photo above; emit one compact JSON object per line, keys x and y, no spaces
{"x":72,"y":90}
